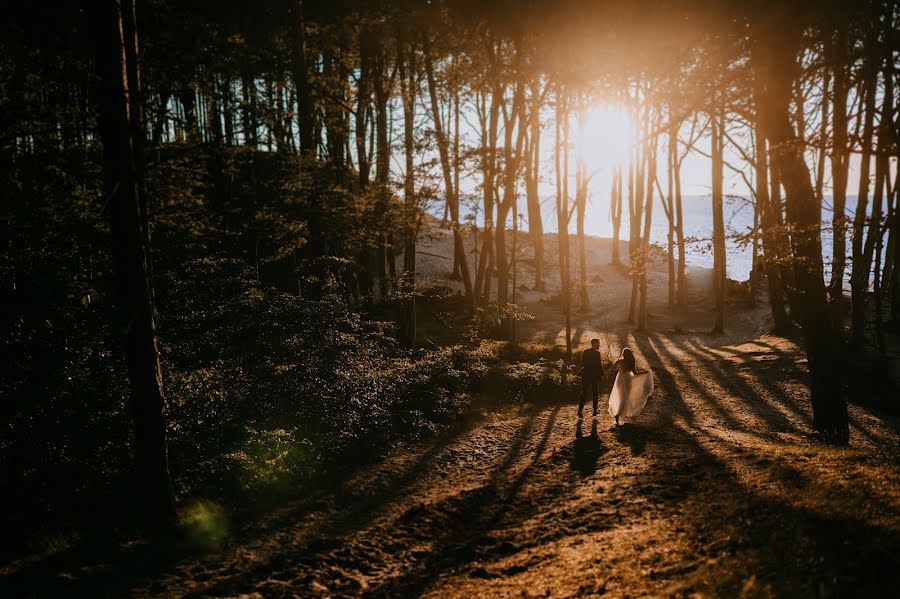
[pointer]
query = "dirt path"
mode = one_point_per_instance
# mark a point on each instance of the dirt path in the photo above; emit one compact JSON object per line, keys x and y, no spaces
{"x":713,"y":489}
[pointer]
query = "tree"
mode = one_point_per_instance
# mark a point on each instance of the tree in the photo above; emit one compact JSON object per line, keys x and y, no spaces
{"x":532,"y":178}
{"x":717,"y":139}
{"x":119,"y":119}
{"x":774,"y":64}
{"x":452,"y":193}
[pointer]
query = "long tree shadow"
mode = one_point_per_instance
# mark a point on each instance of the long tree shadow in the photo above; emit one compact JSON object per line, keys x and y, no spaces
{"x":797,"y":550}
{"x":753,"y":399}
{"x":335,"y":547}
{"x":666,"y":378}
{"x":107,"y":567}
{"x":458,"y":545}
{"x":785,"y":365}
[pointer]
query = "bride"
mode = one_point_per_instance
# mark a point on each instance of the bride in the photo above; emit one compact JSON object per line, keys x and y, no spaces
{"x":632,"y":387}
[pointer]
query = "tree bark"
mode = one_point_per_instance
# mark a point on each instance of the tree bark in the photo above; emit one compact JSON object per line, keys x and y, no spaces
{"x":562,"y":216}
{"x":512,"y":156}
{"x":774,"y":63}
{"x":305,"y":110}
{"x":650,"y":152}
{"x":719,"y":256}
{"x":859,"y":275}
{"x":840,"y":162}
{"x":451,"y":192}
{"x":671,"y":157}
{"x":407,"y":72}
{"x":679,"y":235}
{"x":636,"y":207}
{"x":117,"y":65}
{"x":581,"y":193}
{"x":615,"y":214}
{"x":382,"y":168}
{"x":771,"y":256}
{"x":532,"y":178}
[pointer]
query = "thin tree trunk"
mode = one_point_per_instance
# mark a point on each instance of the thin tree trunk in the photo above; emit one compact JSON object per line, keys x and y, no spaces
{"x":859,"y":276}
{"x":382,"y":168}
{"x":840,"y":163}
{"x":679,"y":234}
{"x":719,"y":277}
{"x":451,"y":192}
{"x":581,"y":193}
{"x":532,"y":178}
{"x":648,"y":219}
{"x":512,"y":154}
{"x":305,"y":109}
{"x":637,"y":209}
{"x":873,"y":246}
{"x":456,"y":166}
{"x":408,"y":87}
{"x":671,"y":157}
{"x":562,"y":218}
{"x":771,"y":256}
{"x":615,"y":214}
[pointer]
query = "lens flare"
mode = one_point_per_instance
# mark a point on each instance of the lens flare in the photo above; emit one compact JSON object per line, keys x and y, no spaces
{"x":205,"y":524}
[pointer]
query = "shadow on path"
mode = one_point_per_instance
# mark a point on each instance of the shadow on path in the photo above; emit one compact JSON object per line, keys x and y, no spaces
{"x":586,"y":450}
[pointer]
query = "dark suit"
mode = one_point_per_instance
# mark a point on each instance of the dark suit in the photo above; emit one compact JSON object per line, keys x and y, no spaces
{"x":591,"y":375}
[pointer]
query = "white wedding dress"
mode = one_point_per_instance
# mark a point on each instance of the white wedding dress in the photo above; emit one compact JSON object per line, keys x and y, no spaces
{"x":630,"y":393}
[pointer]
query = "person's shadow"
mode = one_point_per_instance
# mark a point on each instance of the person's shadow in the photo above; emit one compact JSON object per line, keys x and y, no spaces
{"x":586,"y":450}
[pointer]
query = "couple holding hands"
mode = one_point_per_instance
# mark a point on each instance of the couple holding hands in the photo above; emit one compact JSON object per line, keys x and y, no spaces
{"x":630,"y":391}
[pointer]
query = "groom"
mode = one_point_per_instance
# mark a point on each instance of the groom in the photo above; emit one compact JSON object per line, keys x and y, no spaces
{"x":591,"y":374}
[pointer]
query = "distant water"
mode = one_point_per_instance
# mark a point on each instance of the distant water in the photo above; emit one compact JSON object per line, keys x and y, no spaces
{"x":738,"y":213}
{"x":697,"y":210}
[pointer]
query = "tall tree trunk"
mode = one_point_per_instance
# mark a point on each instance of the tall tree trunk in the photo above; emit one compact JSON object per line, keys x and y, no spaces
{"x":615,"y":214}
{"x":117,"y":64}
{"x":771,"y":255}
{"x":873,"y":246}
{"x":407,"y":72}
{"x":305,"y":109}
{"x":719,"y":272}
{"x":489,"y":149}
{"x":336,"y":136}
{"x":188,"y":99}
{"x":892,"y":265}
{"x":774,"y":63}
{"x":451,"y":192}
{"x":650,"y":152}
{"x":636,"y":205}
{"x":215,"y":113}
{"x":227,"y":111}
{"x":671,"y":156}
{"x":248,"y":109}
{"x":456,"y":167}
{"x":581,"y":193}
{"x":679,"y":234}
{"x":859,"y":276}
{"x":382,"y":167}
{"x":840,"y":157}
{"x":562,"y":217}
{"x":512,"y":154}
{"x":532,"y":179}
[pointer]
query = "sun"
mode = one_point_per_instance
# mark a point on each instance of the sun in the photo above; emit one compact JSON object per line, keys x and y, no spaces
{"x":606,"y":139}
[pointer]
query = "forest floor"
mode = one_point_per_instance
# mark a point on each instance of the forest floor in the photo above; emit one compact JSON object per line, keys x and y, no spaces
{"x":716,"y":489}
